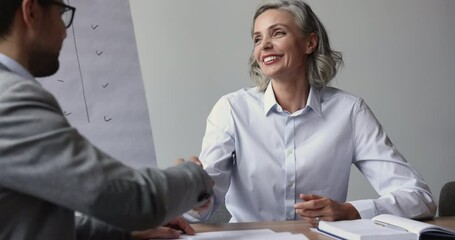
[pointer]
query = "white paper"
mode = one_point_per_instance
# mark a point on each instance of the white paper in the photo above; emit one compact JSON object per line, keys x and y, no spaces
{"x":259,"y":234}
{"x":99,"y":85}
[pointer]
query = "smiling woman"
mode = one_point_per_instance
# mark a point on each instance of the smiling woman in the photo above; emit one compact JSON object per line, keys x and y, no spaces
{"x":398,"y":55}
{"x":283,"y":150}
{"x":322,"y":63}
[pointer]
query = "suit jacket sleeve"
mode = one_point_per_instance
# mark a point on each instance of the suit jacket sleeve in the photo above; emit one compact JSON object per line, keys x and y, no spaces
{"x":43,"y":156}
{"x":88,"y":228}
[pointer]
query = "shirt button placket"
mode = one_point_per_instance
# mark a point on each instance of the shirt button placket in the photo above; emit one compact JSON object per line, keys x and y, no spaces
{"x":290,"y":169}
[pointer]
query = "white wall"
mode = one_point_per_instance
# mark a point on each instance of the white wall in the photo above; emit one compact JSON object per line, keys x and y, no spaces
{"x":399,"y":56}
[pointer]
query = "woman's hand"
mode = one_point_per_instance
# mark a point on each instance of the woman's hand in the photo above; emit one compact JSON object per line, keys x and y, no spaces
{"x":195,"y":160}
{"x":315,"y":208}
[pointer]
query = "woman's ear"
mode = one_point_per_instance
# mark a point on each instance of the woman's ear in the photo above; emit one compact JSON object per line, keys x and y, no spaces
{"x":312,"y":43}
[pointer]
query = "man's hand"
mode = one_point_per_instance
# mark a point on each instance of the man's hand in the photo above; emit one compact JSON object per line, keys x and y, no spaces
{"x":171,"y":230}
{"x":204,"y":207}
{"x":193,"y":159}
{"x":315,"y":208}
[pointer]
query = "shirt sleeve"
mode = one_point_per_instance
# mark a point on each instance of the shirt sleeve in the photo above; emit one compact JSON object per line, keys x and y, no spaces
{"x":44,"y":157}
{"x":217,"y":155}
{"x":402,"y":190}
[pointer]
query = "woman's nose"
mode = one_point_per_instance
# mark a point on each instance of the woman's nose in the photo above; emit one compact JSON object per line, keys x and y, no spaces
{"x":266,"y":43}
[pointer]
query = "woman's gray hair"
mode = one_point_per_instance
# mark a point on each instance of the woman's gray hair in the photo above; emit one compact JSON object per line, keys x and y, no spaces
{"x":323,"y":63}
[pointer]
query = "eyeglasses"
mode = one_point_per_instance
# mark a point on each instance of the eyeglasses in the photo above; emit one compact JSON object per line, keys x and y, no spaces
{"x":67,"y":13}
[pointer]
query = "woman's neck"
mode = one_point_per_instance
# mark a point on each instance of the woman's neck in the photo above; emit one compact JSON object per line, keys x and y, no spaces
{"x":291,"y":95}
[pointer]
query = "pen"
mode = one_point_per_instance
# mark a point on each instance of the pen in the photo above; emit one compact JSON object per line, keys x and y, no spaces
{"x":387,"y":225}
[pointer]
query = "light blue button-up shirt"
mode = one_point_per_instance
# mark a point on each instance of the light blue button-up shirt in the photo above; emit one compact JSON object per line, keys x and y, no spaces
{"x":261,"y":157}
{"x":15,"y":67}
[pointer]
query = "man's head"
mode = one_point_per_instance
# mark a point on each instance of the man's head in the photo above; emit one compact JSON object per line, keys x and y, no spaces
{"x":36,"y":30}
{"x":8,"y":9}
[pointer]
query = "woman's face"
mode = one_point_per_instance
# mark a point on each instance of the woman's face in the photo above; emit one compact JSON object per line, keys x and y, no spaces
{"x":279,"y":46}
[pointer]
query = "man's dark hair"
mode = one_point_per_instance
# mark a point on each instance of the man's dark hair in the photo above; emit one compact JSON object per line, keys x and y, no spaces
{"x":8,"y":9}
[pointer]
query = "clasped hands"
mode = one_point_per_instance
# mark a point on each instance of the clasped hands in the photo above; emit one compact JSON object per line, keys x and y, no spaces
{"x":174,"y":228}
{"x":198,"y":162}
{"x":314,"y":208}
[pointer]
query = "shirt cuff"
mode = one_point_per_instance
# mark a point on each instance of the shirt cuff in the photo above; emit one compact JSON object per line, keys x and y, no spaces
{"x":194,"y":216}
{"x":366,"y":208}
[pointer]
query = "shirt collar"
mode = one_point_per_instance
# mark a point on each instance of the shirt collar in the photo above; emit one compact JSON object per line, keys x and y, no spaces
{"x":15,"y":67}
{"x":314,"y":100}
{"x":269,"y":99}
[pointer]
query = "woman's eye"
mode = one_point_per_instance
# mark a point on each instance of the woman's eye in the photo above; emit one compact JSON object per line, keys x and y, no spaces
{"x":256,"y":40}
{"x":279,"y":33}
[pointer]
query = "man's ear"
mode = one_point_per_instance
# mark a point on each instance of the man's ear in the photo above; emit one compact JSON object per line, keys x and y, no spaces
{"x":30,"y":11}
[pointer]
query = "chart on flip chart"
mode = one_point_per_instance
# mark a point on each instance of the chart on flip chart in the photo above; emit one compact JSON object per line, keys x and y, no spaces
{"x":99,"y":84}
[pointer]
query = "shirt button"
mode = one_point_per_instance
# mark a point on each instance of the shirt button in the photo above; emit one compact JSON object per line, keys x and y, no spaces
{"x":289,"y":151}
{"x":290,"y":183}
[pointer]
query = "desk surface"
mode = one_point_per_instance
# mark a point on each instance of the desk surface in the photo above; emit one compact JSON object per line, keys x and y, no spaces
{"x":295,"y":227}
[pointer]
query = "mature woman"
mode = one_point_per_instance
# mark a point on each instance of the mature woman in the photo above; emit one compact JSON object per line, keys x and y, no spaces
{"x":283,"y":150}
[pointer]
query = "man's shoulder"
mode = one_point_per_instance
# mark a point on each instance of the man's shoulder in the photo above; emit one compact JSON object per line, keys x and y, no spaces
{"x":14,"y":88}
{"x":8,"y":79}
{"x":11,"y":82}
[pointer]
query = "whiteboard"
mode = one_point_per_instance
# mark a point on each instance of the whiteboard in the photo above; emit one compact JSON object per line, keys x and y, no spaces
{"x":99,"y":85}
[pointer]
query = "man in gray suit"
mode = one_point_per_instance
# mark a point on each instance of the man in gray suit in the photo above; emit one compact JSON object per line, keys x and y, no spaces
{"x":48,"y":171}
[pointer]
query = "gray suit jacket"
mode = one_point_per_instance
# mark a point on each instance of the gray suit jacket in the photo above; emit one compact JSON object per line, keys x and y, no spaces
{"x":48,"y":171}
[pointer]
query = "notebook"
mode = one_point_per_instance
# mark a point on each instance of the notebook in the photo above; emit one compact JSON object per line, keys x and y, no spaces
{"x":385,"y":226}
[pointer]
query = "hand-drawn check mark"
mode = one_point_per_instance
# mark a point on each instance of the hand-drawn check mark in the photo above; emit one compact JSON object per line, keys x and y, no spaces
{"x":106,"y":119}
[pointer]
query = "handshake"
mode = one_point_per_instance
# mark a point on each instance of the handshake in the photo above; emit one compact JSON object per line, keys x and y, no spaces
{"x":179,"y":225}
